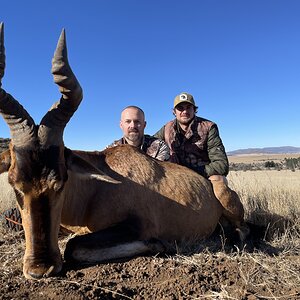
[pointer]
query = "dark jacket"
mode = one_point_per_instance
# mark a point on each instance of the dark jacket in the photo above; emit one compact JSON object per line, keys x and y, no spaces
{"x":200,"y":148}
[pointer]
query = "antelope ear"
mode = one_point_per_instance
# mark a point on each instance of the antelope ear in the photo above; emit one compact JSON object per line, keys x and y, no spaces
{"x":84,"y":169}
{"x":5,"y":160}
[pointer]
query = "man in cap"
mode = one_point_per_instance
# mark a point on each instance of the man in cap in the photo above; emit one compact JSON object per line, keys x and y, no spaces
{"x":133,"y":124}
{"x":195,"y":142}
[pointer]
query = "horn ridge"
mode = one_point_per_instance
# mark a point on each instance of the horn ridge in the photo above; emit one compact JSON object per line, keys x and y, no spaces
{"x":55,"y":120}
{"x":62,"y":73}
{"x":21,"y":125}
{"x":2,"y":52}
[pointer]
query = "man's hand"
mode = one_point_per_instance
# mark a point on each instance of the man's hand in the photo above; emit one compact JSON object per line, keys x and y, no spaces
{"x":218,"y":178}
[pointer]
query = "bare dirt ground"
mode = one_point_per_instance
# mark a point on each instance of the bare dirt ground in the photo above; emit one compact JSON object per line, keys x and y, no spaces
{"x":208,"y":270}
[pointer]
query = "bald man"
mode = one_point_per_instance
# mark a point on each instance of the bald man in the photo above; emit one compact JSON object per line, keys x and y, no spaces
{"x":133,"y":124}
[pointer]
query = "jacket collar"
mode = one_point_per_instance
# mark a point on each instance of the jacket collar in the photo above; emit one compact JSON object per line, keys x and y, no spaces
{"x":123,"y":141}
{"x":190,"y":130}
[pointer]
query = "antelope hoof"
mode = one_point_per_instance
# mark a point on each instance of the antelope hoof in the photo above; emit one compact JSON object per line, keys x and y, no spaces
{"x":34,"y":270}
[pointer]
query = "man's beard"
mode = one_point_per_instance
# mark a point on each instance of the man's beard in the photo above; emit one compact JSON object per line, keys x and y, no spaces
{"x":133,"y":136}
{"x":186,"y":121}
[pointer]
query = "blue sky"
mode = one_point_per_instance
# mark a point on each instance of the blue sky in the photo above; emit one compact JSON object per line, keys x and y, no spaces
{"x":239,"y":58}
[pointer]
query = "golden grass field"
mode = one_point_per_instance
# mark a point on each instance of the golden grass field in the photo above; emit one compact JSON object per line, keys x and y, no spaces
{"x":267,"y":193}
{"x":276,"y":192}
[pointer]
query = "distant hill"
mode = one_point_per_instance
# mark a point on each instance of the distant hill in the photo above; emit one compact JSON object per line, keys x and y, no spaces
{"x":267,"y":150}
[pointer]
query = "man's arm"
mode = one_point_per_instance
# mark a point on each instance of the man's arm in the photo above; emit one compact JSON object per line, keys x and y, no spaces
{"x":219,"y":164}
{"x":160,"y":134}
{"x":163,"y":152}
{"x":156,"y":148}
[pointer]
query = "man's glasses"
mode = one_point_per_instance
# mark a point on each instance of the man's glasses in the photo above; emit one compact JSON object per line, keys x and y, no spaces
{"x":183,"y":107}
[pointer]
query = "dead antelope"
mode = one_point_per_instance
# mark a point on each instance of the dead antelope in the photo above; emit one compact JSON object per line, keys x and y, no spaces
{"x":125,"y":202}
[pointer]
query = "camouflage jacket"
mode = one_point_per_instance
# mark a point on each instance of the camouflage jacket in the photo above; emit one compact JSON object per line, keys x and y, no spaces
{"x":152,"y":146}
{"x":200,"y":148}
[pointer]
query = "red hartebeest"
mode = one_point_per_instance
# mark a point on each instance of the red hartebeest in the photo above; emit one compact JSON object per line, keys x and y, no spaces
{"x":122,"y":201}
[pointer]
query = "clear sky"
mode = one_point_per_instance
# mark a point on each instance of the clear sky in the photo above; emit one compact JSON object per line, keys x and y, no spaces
{"x":240,"y":59}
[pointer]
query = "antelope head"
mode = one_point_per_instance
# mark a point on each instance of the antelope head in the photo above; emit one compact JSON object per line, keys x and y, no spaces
{"x":37,"y":167}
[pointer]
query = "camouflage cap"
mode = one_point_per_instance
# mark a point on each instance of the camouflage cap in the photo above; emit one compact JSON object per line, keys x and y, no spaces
{"x":184,"y":97}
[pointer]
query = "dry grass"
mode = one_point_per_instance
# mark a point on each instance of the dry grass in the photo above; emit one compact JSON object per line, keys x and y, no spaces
{"x":268,"y":196}
{"x":7,"y":195}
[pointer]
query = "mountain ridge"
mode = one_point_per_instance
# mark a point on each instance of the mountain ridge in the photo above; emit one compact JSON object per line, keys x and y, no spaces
{"x":266,"y":150}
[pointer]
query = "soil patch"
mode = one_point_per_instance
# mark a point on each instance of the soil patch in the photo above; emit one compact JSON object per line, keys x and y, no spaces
{"x":207,"y":273}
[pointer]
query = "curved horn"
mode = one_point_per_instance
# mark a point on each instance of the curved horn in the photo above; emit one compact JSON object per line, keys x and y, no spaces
{"x":21,"y":125}
{"x":54,"y":122}
{"x":2,"y":52}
